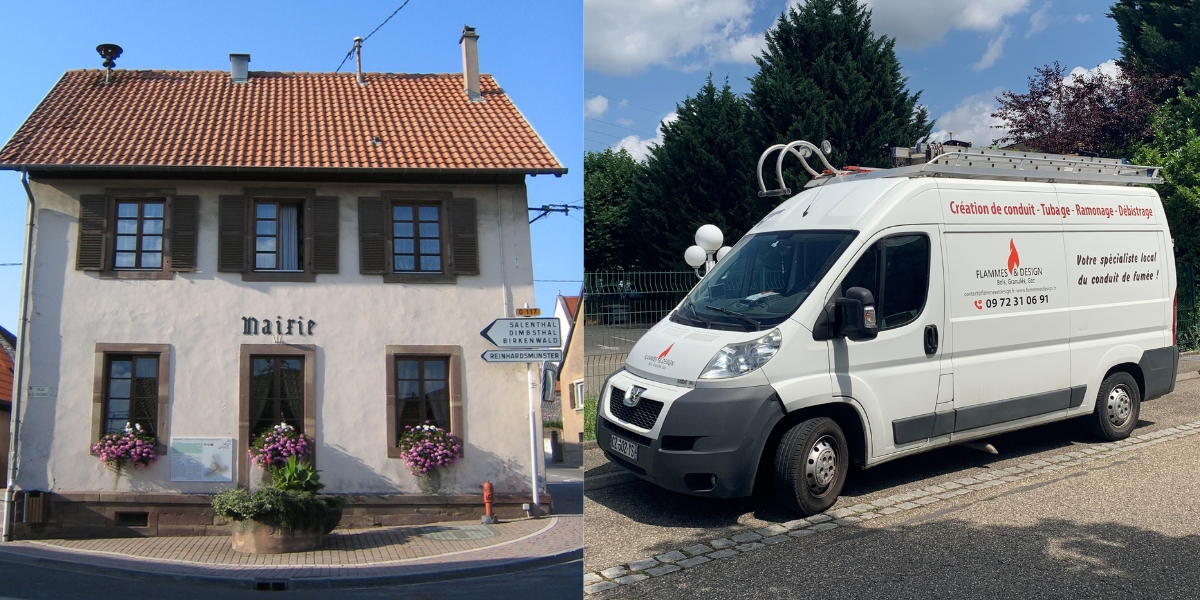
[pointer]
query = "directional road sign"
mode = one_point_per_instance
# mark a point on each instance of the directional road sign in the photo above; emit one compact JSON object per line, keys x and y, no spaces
{"x":523,"y":333}
{"x":522,"y":356}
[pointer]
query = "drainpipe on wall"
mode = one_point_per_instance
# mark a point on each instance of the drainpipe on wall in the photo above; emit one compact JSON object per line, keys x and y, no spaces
{"x":19,"y":383}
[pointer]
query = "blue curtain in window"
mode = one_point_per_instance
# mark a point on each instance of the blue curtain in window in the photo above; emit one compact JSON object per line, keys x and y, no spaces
{"x":288,"y":230}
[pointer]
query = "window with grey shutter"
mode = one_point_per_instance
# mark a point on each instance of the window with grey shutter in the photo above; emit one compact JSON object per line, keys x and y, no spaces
{"x":185,"y":217}
{"x":465,"y":241}
{"x":231,"y":239}
{"x":93,"y":232}
{"x":324,"y":231}
{"x":372,"y":236}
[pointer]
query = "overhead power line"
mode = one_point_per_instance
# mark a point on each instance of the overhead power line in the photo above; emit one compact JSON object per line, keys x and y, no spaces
{"x":351,"y":52}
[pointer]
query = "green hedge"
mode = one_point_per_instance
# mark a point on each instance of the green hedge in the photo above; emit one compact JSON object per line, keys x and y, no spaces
{"x":589,"y":418}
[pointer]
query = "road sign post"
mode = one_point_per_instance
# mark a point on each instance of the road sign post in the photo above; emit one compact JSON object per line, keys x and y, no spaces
{"x":528,"y":340}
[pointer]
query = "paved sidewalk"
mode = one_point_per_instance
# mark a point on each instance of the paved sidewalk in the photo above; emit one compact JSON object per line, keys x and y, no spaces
{"x":353,"y":557}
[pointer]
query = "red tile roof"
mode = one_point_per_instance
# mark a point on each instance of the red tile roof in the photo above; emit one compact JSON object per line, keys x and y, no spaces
{"x":170,"y":119}
{"x":572,"y":305}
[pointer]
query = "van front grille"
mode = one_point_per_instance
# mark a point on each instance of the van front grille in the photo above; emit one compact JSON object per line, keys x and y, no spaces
{"x":644,"y":415}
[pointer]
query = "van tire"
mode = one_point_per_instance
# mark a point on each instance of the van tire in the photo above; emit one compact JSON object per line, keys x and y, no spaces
{"x":1117,"y":407}
{"x":811,"y":462}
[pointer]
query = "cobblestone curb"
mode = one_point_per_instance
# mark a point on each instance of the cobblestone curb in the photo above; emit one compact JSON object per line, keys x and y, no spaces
{"x":750,"y":540}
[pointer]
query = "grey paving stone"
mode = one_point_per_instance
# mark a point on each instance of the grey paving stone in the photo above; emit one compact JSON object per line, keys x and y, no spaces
{"x":801,"y":533}
{"x":882,"y":502}
{"x":772,"y":530}
{"x":840,"y":513}
{"x":918,"y":493}
{"x":907,"y":505}
{"x":797,"y":524}
{"x":749,"y":547}
{"x":848,"y":521}
{"x":663,"y":570}
{"x":935,"y":489}
{"x":599,"y":587}
{"x":771,"y":541}
{"x":671,"y":556}
{"x":591,"y":578}
{"x":748,"y":536}
{"x":861,"y":508}
{"x":642,"y":565}
{"x":628,"y":579}
{"x":1076,"y":454}
{"x":823,"y":527}
{"x":614,"y":572}
{"x":1039,"y":463}
{"x":928,"y":500}
{"x":1028,"y":466}
{"x":967,"y":481}
{"x":889,"y":510}
{"x":984,"y":476}
{"x":976,"y":487}
{"x":818,"y":519}
{"x":867,"y":516}
{"x":722,"y":543}
{"x":1010,"y":478}
{"x":697,"y":549}
{"x":946,"y":495}
{"x":950,"y":485}
{"x":726,"y":553}
{"x":691,"y":562}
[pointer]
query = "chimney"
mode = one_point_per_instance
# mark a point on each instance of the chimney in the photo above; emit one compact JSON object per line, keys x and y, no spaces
{"x":470,"y":51}
{"x":239,"y":68}
{"x":358,"y":61}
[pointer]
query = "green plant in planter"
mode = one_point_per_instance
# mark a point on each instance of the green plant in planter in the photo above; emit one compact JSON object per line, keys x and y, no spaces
{"x":296,"y":476}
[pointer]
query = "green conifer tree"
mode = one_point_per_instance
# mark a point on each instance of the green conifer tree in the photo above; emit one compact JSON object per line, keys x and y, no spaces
{"x":609,"y":185}
{"x":825,"y":76}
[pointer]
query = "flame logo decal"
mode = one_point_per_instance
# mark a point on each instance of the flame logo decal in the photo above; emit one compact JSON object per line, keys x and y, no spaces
{"x":1014,"y":260}
{"x":664,"y":352}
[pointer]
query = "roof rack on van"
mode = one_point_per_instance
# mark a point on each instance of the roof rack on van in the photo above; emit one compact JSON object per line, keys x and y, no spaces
{"x":967,"y":163}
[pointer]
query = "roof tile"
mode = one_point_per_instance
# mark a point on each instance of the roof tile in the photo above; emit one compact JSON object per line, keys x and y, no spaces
{"x":311,"y":120}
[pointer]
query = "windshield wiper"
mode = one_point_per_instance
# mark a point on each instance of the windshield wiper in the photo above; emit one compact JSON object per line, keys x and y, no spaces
{"x":706,"y":322}
{"x":739,"y":315}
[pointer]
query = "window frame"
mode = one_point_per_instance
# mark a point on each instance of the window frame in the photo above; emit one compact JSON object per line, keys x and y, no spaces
{"x":139,"y":234}
{"x":278,"y":387}
{"x":301,"y":205}
{"x":577,"y":387}
{"x":881,"y":271}
{"x":416,"y":207}
{"x":100,"y":379}
{"x":303,"y":197}
{"x":454,"y":385}
{"x":114,"y":197}
{"x":416,"y":200}
{"x":248,"y":352}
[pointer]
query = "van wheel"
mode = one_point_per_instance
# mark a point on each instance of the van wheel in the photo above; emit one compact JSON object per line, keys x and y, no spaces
{"x":1117,"y":407}
{"x":810,"y":466}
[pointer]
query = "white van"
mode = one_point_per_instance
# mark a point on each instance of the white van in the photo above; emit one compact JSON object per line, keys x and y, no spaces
{"x":882,"y":314}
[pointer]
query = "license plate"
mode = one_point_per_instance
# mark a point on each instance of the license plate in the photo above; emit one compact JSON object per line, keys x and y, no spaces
{"x":623,"y":447}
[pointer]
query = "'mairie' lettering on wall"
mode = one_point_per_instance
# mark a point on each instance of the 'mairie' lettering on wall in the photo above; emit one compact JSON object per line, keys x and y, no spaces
{"x":250,"y":326}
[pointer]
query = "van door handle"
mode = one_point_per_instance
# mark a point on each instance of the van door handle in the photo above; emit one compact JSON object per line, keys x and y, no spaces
{"x":931,"y":340}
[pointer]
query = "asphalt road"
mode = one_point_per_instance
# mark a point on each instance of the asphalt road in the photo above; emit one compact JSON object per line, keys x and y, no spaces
{"x":636,"y":520}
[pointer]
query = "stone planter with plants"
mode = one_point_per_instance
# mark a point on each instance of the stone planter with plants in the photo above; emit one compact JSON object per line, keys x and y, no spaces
{"x":288,"y":515}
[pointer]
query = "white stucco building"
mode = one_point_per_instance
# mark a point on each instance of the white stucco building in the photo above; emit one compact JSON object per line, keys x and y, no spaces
{"x":216,"y":252}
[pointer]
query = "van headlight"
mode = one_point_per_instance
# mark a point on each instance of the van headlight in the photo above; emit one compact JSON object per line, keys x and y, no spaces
{"x":738,"y":359}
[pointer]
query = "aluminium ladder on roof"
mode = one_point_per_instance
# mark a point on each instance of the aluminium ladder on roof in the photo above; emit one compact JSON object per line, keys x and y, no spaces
{"x":974,"y":163}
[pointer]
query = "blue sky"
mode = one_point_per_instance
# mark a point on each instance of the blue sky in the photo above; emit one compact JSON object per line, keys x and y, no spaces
{"x":643,"y":56}
{"x":531,"y":47}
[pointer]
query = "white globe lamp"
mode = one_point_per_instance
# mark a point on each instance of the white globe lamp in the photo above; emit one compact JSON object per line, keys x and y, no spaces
{"x":722,"y":252}
{"x":694,"y":256}
{"x":709,"y":238}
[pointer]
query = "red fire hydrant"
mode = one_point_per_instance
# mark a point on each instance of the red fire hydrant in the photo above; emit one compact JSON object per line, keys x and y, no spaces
{"x":488,"y":495}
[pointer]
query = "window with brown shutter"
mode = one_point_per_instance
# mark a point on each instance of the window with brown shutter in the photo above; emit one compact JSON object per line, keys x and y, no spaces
{"x":279,"y":235}
{"x":137,"y":233}
{"x":424,"y":384}
{"x":423,"y":237}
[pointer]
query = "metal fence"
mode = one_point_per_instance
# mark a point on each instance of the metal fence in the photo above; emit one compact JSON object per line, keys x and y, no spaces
{"x":618,"y":308}
{"x":1187,"y":325}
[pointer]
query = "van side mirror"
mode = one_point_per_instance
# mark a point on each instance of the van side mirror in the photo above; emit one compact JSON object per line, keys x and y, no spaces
{"x":855,"y":315}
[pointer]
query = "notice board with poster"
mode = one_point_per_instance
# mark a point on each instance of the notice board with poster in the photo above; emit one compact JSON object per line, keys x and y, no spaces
{"x":202,"y":459}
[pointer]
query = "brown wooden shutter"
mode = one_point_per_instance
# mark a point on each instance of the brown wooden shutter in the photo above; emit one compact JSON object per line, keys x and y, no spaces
{"x":185,"y":218}
{"x":231,"y":236}
{"x":324,"y":232}
{"x":93,"y":231}
{"x":372,"y":236}
{"x":464,"y":241}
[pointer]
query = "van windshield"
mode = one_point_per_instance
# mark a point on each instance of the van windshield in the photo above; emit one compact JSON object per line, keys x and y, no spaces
{"x":763,"y":279}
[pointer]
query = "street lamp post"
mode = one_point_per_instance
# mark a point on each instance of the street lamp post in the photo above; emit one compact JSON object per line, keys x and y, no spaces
{"x":708,"y":249}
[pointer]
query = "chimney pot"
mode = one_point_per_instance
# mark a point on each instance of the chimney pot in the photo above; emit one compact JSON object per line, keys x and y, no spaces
{"x":239,"y":68}
{"x":470,"y":52}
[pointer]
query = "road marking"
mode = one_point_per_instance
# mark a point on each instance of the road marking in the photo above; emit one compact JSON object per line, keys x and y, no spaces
{"x":903,"y":501}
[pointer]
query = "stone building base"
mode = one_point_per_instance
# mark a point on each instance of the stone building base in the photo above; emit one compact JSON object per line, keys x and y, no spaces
{"x":108,"y":514}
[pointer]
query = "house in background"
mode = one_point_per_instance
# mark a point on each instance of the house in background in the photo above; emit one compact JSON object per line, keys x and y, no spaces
{"x":564,"y":311}
{"x":570,"y":385}
{"x":217,"y":252}
{"x":8,"y":357}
